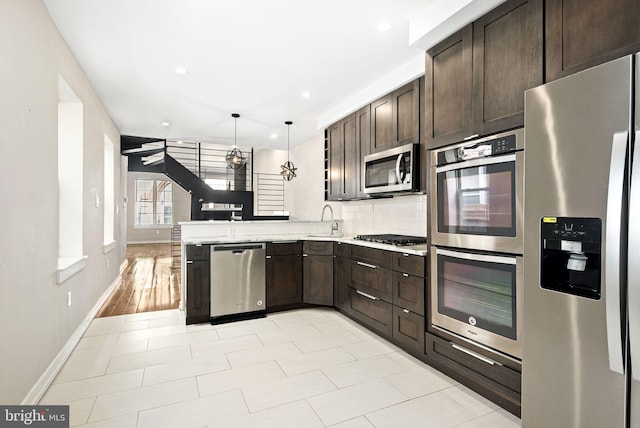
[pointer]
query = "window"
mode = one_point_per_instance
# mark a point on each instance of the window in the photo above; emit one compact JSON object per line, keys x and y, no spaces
{"x":154,"y":202}
{"x":70,"y":182}
{"x":109,"y":203}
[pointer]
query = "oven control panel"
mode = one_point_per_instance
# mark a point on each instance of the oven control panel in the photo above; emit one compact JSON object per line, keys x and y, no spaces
{"x":490,"y":147}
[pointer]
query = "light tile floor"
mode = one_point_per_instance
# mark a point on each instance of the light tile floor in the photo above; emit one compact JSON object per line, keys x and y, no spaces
{"x":302,"y":368}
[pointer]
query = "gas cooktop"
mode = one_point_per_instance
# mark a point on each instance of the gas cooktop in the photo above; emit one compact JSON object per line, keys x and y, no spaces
{"x":399,"y":240}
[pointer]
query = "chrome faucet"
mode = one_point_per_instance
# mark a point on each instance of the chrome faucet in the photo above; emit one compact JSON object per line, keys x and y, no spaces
{"x":333,"y":227}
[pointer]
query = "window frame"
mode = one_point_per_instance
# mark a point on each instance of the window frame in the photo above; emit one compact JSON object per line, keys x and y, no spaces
{"x":154,"y":202}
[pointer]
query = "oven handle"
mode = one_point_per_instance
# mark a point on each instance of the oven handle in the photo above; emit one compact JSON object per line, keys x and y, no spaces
{"x":477,"y":162}
{"x":477,"y":257}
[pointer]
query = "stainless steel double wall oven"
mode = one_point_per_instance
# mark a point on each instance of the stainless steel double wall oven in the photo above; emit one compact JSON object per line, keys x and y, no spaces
{"x":477,"y":241}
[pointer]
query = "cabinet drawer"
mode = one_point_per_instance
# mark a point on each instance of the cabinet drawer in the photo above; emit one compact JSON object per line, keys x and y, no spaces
{"x":372,"y":280}
{"x":322,"y":248}
{"x":409,"y":263}
{"x":379,"y":258}
{"x":197,"y":252}
{"x":342,"y":250}
{"x":408,"y":292}
{"x":408,"y":330}
{"x":371,"y":311}
{"x":284,"y":248}
{"x":462,"y":357}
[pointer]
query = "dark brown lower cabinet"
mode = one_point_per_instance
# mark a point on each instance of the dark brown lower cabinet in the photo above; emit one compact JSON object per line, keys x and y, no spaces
{"x":317,"y":279}
{"x":317,"y":268}
{"x":408,"y":330}
{"x":341,"y":299}
{"x":284,"y":274}
{"x":495,"y":380}
{"x":371,"y":311}
{"x":198,"y":284}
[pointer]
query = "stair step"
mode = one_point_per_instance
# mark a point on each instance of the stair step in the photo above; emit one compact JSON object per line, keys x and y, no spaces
{"x":141,"y":151}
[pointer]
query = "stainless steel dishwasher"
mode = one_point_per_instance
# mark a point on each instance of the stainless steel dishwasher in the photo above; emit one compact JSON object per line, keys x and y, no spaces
{"x":238,"y":286}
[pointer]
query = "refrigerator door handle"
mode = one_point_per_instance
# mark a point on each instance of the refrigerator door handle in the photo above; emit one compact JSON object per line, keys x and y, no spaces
{"x":612,"y":256}
{"x":633,"y":275}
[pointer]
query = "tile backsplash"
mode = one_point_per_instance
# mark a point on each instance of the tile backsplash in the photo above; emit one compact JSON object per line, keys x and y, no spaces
{"x":405,"y":215}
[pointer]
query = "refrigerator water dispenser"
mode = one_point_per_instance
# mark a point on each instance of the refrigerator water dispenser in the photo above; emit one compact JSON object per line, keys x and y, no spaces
{"x":570,"y":257}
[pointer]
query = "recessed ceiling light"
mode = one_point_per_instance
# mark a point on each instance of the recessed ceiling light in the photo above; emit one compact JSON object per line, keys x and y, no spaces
{"x":181,"y":70}
{"x":306,"y":94}
{"x":166,"y":124}
{"x":384,"y":26}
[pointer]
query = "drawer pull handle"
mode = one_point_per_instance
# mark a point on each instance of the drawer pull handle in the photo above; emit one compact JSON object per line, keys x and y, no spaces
{"x":406,"y":275}
{"x":475,"y":354}
{"x":405,"y":254}
{"x":267,"y":257}
{"x":189,"y":262}
{"x":368,"y":296}
{"x":305,"y":255}
{"x":367,"y":265}
{"x":406,"y":311}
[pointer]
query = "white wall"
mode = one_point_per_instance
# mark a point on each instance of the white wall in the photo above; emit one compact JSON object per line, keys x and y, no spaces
{"x":181,"y":210}
{"x":35,"y":321}
{"x":406,"y":214}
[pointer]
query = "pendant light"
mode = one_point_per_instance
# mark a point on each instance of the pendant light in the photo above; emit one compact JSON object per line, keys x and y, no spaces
{"x":235,"y":158}
{"x":288,"y":170}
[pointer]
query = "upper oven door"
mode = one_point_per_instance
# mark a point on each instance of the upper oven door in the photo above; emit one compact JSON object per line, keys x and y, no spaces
{"x":477,"y":204}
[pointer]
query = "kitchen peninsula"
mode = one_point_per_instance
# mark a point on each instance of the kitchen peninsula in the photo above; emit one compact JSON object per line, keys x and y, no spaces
{"x":307,"y":263}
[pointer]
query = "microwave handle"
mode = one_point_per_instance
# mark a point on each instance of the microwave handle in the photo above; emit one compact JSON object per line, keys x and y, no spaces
{"x":398,"y":162}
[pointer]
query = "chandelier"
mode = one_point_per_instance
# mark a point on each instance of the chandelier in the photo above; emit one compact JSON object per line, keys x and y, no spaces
{"x":288,"y":170}
{"x":235,"y":158}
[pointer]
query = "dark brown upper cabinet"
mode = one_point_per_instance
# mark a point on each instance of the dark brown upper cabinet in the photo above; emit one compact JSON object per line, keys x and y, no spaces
{"x":476,"y":78}
{"x":507,"y":60}
{"x":395,"y":118}
{"x":343,"y":157}
{"x":363,"y":142}
{"x":448,"y":81}
{"x":584,"y":33}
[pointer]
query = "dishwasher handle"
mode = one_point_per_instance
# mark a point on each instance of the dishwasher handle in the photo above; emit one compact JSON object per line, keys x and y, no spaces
{"x":239,"y":248}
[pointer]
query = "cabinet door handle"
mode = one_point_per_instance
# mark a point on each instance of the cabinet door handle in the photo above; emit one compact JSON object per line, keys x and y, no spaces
{"x":267,"y":257}
{"x":305,"y":255}
{"x":189,"y":262}
{"x":406,"y":275}
{"x":406,"y":311}
{"x":475,"y":354}
{"x":367,"y":265}
{"x":368,"y":296}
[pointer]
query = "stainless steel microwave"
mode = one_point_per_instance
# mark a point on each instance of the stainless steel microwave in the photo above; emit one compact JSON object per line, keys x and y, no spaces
{"x":392,"y":170}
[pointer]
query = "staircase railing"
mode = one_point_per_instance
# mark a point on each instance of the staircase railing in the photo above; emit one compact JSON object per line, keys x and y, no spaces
{"x":208,"y":162}
{"x":269,"y":194}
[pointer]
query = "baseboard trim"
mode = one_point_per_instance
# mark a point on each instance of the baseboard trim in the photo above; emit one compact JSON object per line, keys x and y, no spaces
{"x":148,"y":242}
{"x":36,"y":392}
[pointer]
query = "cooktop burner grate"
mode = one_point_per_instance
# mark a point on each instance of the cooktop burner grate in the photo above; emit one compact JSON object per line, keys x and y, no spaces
{"x":393,"y":239}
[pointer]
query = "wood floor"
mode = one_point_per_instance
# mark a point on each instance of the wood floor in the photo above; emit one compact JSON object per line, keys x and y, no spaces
{"x":148,"y":282}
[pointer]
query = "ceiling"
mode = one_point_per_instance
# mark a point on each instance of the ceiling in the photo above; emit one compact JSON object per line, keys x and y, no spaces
{"x":252,"y":57}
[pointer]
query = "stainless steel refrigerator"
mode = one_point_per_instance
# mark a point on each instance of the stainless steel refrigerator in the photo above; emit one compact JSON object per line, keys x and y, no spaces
{"x":581,"y":328}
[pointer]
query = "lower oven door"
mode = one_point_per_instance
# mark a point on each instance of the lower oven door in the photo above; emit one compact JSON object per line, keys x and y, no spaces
{"x":478,"y":296}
